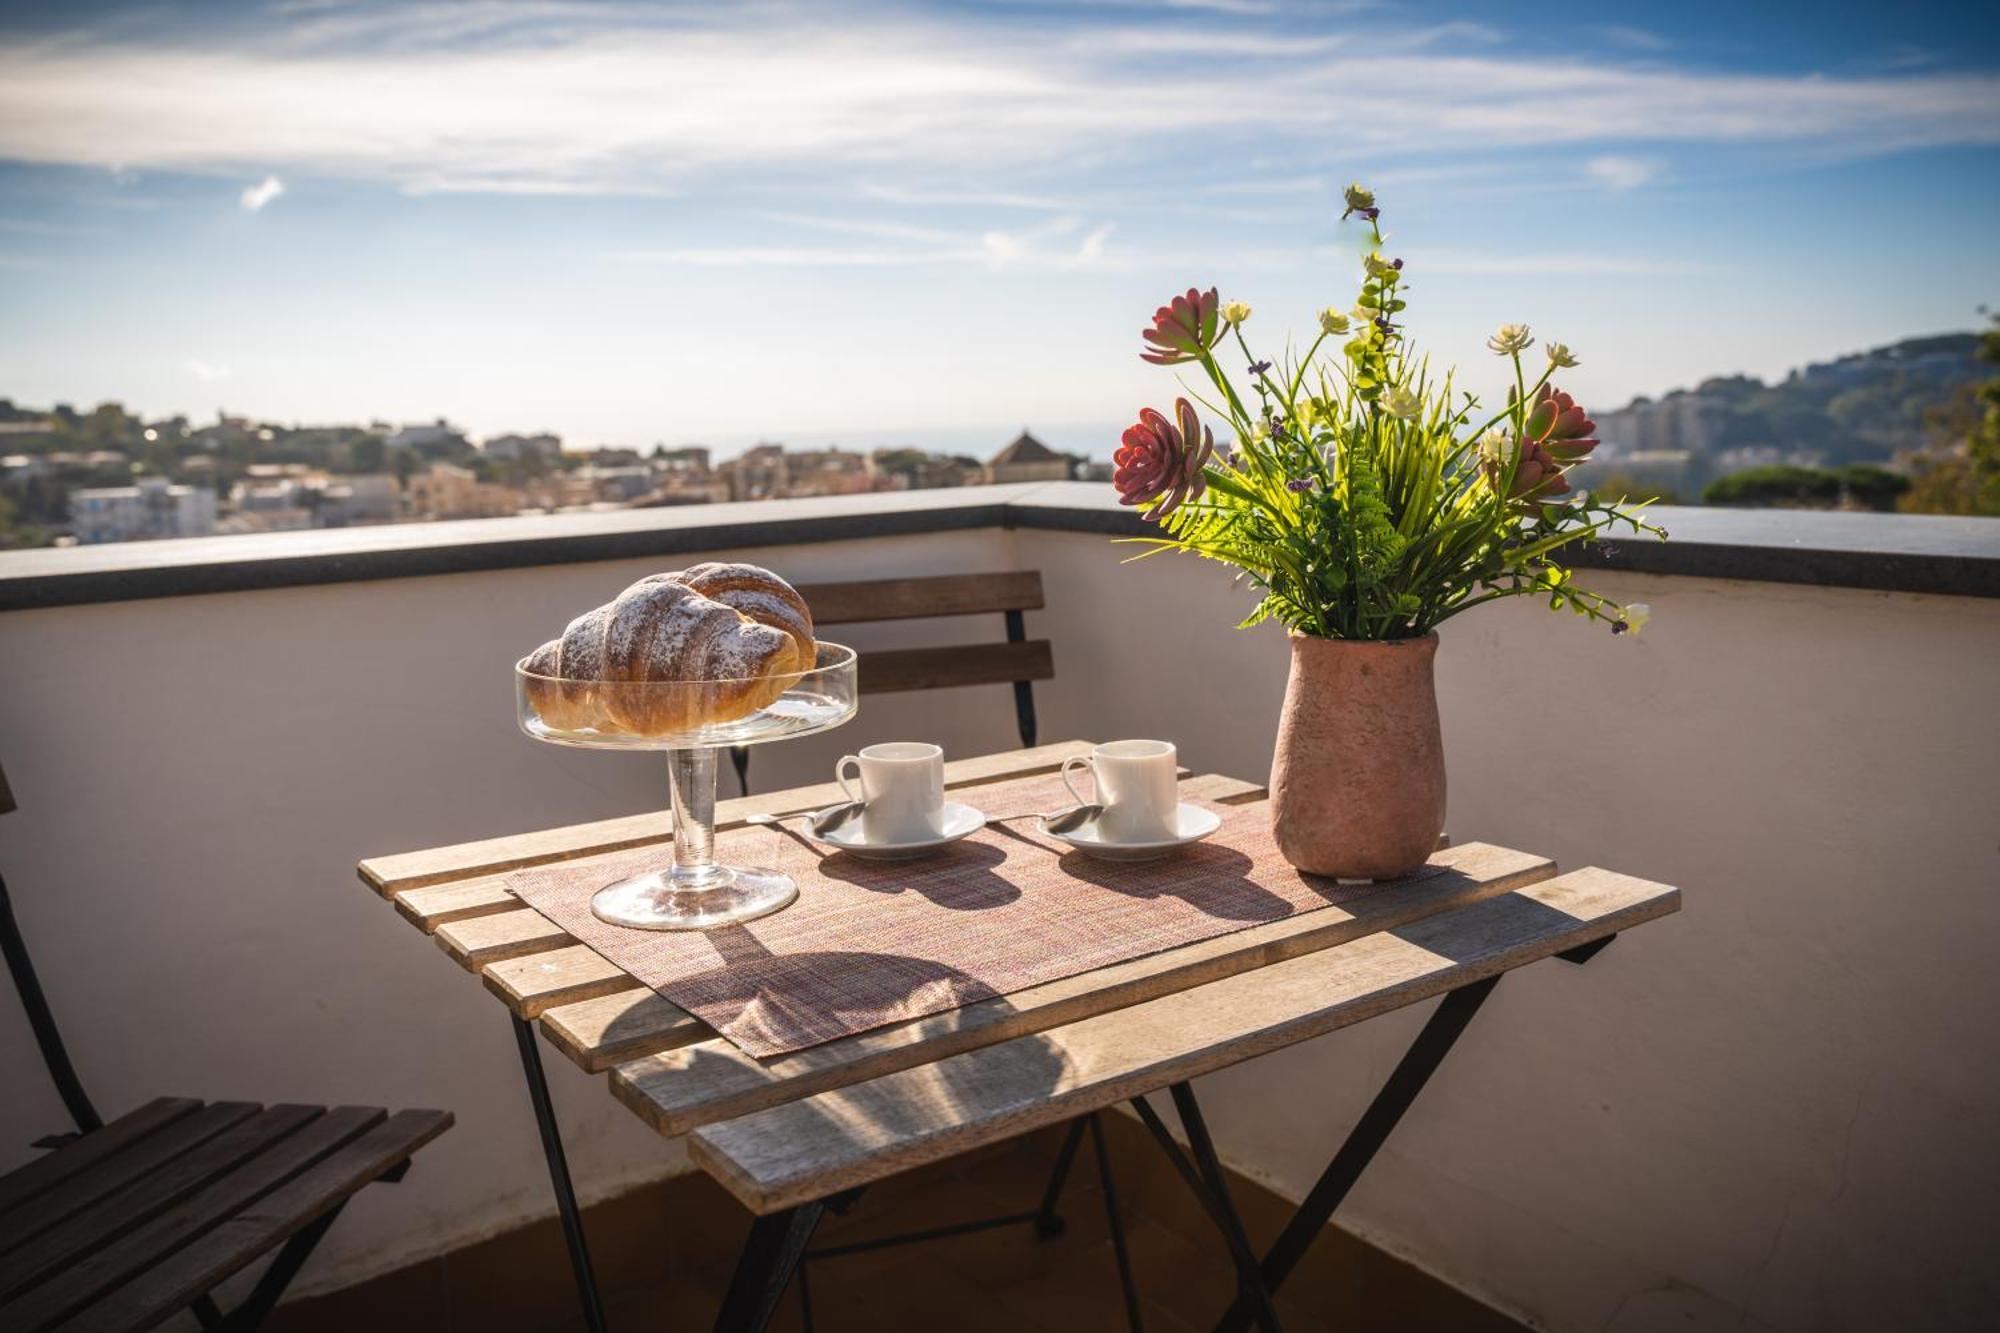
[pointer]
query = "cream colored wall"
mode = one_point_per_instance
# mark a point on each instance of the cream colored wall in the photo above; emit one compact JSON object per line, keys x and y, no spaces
{"x":197,"y":778}
{"x":1775,"y":1110}
{"x":1769,"y":1111}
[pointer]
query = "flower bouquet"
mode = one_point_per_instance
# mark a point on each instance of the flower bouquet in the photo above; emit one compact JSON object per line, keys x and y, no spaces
{"x":1369,"y":500}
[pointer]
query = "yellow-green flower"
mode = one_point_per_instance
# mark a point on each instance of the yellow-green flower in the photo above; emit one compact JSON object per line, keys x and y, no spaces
{"x":1332,"y":323}
{"x":1401,"y":403}
{"x":1560,"y":356}
{"x":1511,"y":340}
{"x":1635,"y":618}
{"x":1235,"y":312}
{"x":1358,"y":200}
{"x":1379,"y":267}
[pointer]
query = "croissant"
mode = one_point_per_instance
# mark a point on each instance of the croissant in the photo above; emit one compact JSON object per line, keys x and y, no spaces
{"x":734,"y":633}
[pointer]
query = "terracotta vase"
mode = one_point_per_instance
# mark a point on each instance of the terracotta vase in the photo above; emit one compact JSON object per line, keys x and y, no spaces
{"x":1357,"y":783}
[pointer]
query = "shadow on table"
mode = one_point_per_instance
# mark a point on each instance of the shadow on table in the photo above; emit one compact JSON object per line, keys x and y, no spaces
{"x":772,"y":1002}
{"x":1213,"y":880}
{"x":1481,"y":930}
{"x":962,"y":878}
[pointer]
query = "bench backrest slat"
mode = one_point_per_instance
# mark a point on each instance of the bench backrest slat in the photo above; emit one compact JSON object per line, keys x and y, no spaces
{"x":917,"y":599}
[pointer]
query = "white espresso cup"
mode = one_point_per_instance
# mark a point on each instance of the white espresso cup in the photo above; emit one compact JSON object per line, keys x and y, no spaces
{"x":1138,"y":784}
{"x":902,"y":790}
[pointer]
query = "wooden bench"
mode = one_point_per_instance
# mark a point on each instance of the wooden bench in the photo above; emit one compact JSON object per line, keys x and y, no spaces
{"x":1017,"y":660}
{"x":124,"y":1224}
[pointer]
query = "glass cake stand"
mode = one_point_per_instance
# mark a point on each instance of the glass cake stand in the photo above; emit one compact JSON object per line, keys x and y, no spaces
{"x":694,"y":892}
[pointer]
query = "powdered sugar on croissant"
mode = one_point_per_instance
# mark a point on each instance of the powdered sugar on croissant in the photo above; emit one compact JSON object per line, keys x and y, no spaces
{"x":732,"y":633}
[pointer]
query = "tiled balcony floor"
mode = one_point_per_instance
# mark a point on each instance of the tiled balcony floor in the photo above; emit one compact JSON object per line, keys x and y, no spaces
{"x":664,"y":1255}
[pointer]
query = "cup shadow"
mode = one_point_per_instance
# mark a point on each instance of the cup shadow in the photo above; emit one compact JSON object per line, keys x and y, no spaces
{"x":960,"y":878}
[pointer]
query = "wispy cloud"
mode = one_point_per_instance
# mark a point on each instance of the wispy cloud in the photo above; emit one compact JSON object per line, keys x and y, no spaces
{"x":1045,"y":245}
{"x":580,"y":99}
{"x":1616,"y":172}
{"x":263,"y":192}
{"x":208,"y":372}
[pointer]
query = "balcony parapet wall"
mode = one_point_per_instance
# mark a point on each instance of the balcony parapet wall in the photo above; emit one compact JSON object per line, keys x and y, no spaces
{"x":1883,"y":552}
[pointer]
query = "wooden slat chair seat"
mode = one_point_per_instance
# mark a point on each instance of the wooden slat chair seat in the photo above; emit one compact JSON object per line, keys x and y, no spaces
{"x":808,"y":1149}
{"x":177,"y":1197}
{"x":125,"y":1224}
{"x":1018,"y":660}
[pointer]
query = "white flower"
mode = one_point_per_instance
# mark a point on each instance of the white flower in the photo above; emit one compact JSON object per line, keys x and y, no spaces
{"x":1635,"y":618}
{"x":1332,"y":323}
{"x":1401,"y":403}
{"x":1510,"y":340}
{"x":1236,"y":312}
{"x":1496,"y":447}
{"x":1560,"y":356}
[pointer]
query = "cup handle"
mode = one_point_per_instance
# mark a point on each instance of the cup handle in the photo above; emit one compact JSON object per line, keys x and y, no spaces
{"x":1070,"y":786}
{"x":840,"y":776}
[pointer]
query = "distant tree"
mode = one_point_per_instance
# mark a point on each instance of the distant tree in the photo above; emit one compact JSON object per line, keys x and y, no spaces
{"x":1875,"y":487}
{"x":1807,"y":487}
{"x":1960,"y":472}
{"x":1622,"y":486}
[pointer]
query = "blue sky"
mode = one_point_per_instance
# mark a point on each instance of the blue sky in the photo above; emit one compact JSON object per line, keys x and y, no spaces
{"x":934,"y":223}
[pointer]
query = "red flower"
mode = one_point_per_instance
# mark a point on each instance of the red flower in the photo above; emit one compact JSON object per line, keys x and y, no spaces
{"x":1181,"y":328}
{"x":1538,"y":476}
{"x":1160,"y":464}
{"x":1562,"y":428}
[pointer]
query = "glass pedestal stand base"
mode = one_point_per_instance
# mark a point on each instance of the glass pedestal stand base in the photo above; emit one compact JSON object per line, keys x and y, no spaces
{"x":659,"y":902}
{"x":694,"y":893}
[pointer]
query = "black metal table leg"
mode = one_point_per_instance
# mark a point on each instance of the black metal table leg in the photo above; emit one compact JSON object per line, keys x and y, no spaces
{"x":1048,"y":1222}
{"x":764,"y":1270}
{"x":1113,"y":1216}
{"x":1250,"y":1283}
{"x":1426,"y":1053}
{"x":1220,"y":1209}
{"x":552,"y":1150}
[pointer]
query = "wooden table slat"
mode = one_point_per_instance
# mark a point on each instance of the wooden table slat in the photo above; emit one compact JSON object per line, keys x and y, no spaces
{"x":611,"y":1029}
{"x":807,"y":1149}
{"x":530,"y":984}
{"x":45,"y":1173}
{"x":390,"y":875}
{"x":473,"y":942}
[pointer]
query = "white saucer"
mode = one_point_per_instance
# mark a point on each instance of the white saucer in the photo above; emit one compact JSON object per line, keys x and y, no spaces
{"x":959,"y":821}
{"x":1192,"y":824}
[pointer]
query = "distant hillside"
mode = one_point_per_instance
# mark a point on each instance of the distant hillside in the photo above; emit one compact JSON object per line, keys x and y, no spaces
{"x":1864,"y":408}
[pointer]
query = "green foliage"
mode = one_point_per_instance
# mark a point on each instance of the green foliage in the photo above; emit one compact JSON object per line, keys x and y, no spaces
{"x":1961,"y":474}
{"x":1362,"y":498}
{"x":1808,"y":487}
{"x":1623,"y":488}
{"x":1779,"y":484}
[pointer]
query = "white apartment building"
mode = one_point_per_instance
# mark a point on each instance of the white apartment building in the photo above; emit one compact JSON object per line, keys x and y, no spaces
{"x":151,"y":509}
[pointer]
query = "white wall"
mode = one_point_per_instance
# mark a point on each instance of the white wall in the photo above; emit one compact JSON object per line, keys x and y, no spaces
{"x":1773,"y":1110}
{"x":1768,"y":1111}
{"x":197,"y":778}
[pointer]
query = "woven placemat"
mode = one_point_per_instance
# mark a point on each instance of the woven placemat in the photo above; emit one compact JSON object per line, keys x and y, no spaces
{"x":871,"y":943}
